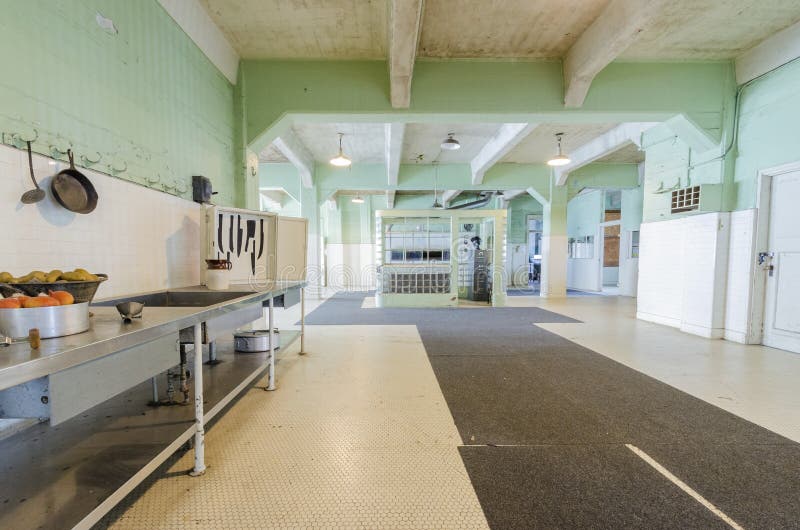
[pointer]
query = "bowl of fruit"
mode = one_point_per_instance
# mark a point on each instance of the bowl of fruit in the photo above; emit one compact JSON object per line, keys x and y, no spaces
{"x":80,"y":283}
{"x":54,"y":314}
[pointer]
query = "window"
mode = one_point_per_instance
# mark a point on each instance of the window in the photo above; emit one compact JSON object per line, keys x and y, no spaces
{"x":634,"y":254}
{"x":581,"y":247}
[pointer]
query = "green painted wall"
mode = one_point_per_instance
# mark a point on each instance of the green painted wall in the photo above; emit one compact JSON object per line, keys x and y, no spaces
{"x":768,"y":129}
{"x":518,"y":211}
{"x":146,"y":98}
{"x":632,"y":208}
{"x":282,"y":175}
{"x":279,"y":91}
{"x":584,"y":213}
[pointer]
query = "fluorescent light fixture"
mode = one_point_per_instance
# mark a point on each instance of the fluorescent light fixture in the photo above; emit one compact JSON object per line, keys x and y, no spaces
{"x":358,"y":199}
{"x":560,"y":159}
{"x":450,"y":143}
{"x":340,"y":160}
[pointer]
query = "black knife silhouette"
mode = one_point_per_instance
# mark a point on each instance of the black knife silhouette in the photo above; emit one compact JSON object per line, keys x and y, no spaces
{"x":261,"y":237}
{"x":219,"y":233}
{"x":253,"y":258}
{"x":230,"y":235}
{"x":251,"y":234}
{"x":239,"y":233}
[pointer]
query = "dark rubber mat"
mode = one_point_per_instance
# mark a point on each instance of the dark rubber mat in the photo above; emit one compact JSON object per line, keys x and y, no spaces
{"x":578,"y":486}
{"x":569,"y":411}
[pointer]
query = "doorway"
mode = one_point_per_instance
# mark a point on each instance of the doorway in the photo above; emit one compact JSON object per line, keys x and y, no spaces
{"x":609,"y":238}
{"x":782,"y":262}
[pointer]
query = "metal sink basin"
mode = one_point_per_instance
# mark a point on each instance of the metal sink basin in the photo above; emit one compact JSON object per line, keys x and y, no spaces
{"x":178,"y":298}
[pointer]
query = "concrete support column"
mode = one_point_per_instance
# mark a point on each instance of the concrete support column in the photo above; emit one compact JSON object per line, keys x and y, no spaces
{"x":309,"y":208}
{"x":554,"y":243}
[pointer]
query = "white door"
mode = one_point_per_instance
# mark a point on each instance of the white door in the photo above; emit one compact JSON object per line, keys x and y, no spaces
{"x":782,"y":308}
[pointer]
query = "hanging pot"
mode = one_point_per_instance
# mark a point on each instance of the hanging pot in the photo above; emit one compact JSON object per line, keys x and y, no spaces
{"x":73,"y":190}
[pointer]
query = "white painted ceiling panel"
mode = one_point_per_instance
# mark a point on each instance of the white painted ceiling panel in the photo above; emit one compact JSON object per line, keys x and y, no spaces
{"x":425,"y":138}
{"x":540,"y":145}
{"x":628,"y":154}
{"x":362,"y":142}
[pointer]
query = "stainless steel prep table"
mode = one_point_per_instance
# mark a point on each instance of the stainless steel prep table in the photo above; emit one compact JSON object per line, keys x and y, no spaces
{"x":109,"y":335}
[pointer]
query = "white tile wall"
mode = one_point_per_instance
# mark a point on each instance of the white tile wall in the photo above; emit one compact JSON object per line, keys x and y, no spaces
{"x":740,"y":275}
{"x":350,"y":266}
{"x":143,"y":239}
{"x":695,"y":271}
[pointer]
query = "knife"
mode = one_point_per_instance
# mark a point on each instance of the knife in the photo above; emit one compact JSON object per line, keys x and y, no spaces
{"x":239,"y":233}
{"x":219,"y":233}
{"x":251,"y":234}
{"x":230,"y":235}
{"x":261,"y":237}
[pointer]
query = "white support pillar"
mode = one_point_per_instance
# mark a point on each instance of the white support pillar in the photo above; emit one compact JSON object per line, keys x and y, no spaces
{"x":199,"y":420}
{"x":554,"y":243}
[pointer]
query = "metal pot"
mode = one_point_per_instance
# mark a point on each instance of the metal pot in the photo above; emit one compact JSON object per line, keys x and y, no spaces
{"x":55,"y":321}
{"x":254,"y":341}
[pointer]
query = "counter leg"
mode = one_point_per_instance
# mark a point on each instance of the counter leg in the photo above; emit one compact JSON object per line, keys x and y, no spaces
{"x":302,"y":321}
{"x":212,"y":353}
{"x":271,"y":384}
{"x":199,"y":434}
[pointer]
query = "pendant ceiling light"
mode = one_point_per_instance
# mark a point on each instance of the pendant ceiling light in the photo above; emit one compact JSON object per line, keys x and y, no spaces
{"x":450,"y":143}
{"x":560,"y":159}
{"x":340,"y":160}
{"x":358,"y":199}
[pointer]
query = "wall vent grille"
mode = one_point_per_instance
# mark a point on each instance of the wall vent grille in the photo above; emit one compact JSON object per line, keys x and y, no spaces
{"x":685,"y":199}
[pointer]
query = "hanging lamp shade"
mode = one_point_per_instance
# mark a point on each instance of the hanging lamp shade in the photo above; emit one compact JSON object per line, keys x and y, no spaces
{"x":560,"y":159}
{"x":340,"y":160}
{"x":450,"y":143}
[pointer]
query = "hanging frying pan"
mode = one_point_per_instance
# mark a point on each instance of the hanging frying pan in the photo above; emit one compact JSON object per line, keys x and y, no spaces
{"x":73,"y":190}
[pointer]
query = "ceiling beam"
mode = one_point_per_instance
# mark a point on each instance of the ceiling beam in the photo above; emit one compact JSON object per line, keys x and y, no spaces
{"x":195,"y":22}
{"x":449,"y":195}
{"x":601,"y":146}
{"x":404,"y":30}
{"x":510,"y":195}
{"x":506,"y":138}
{"x":293,"y":149}
{"x":773,"y":52}
{"x":609,"y":35}
{"x":390,"y":195}
{"x":394,"y":133}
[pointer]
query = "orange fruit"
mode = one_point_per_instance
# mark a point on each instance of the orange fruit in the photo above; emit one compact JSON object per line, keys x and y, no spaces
{"x":40,"y":301}
{"x":63,"y":297}
{"x":10,"y":303}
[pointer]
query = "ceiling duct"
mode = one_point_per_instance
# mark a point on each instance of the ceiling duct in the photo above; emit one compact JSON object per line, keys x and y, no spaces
{"x":482,"y":200}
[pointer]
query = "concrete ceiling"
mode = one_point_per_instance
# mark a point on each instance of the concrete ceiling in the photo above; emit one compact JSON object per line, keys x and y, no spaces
{"x":303,"y":29}
{"x":358,"y":29}
{"x":713,"y":29}
{"x":425,"y":138}
{"x":362,"y":142}
{"x":540,"y":145}
{"x":272,"y":154}
{"x":539,"y":29}
{"x":628,"y":154}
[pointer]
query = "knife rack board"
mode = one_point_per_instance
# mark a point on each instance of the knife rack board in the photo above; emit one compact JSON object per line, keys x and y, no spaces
{"x":291,"y":249}
{"x":247,"y":238}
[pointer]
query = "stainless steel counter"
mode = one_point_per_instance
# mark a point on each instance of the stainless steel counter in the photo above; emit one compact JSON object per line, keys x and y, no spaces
{"x":109,"y":334}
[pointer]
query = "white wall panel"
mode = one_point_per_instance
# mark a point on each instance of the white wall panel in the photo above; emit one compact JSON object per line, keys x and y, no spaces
{"x":740,"y":275}
{"x":143,"y":239}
